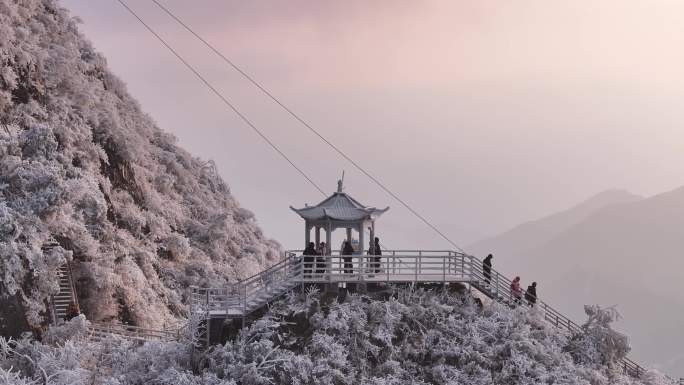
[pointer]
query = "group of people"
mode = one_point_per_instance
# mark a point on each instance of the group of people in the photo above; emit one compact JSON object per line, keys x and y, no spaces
{"x":313,"y":255}
{"x":516,"y":290}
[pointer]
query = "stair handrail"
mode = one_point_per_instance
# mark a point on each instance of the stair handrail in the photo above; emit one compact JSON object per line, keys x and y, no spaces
{"x":74,"y":297}
{"x":245,"y":287}
{"x":132,"y":331}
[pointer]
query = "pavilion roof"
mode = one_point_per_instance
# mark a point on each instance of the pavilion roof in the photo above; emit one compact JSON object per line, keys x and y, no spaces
{"x":339,"y":206}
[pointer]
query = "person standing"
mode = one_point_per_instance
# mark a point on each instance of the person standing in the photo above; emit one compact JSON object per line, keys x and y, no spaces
{"x":531,"y":294}
{"x":320,"y":259}
{"x":516,"y":291}
{"x":347,"y":252}
{"x":487,"y":269}
{"x":378,"y":255}
{"x":309,"y":254}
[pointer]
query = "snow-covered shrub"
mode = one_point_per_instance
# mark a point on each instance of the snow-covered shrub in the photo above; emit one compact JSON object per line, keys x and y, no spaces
{"x":598,"y":343}
{"x":74,"y":329}
{"x":414,"y":337}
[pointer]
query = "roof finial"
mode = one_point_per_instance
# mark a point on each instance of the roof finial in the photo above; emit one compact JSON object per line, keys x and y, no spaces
{"x":340,"y":183}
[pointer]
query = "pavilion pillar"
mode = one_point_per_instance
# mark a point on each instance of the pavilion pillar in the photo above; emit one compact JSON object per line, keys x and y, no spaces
{"x":318,"y":235}
{"x":349,"y":235}
{"x":372,"y":238}
{"x":328,"y":238}
{"x":362,"y":232}
{"x":307,"y":234}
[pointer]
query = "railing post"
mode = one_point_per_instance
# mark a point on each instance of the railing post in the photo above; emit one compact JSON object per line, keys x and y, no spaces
{"x":394,"y":262}
{"x":360,"y":269}
{"x":207,"y":299}
{"x":420,"y":261}
{"x":387,"y":268}
{"x":498,"y":282}
{"x":416,"y":268}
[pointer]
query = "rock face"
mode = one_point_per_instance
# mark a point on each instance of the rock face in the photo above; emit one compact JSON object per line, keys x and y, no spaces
{"x":139,"y":219}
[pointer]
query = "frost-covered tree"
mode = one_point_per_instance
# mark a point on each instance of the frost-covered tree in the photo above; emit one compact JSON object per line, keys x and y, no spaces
{"x":139,"y":218}
{"x":598,"y":343}
{"x":415,"y":337}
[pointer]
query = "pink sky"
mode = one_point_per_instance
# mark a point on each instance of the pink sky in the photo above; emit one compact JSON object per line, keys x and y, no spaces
{"x":482,"y":114}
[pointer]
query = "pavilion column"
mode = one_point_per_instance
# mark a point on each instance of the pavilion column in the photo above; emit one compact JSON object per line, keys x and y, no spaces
{"x":328,"y":238}
{"x":372,"y":238}
{"x":362,"y":233}
{"x":307,"y":234}
{"x":362,"y":247}
{"x":318,"y":235}
{"x":349,"y":235}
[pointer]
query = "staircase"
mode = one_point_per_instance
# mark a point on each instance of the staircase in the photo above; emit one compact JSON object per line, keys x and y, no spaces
{"x":66,"y":295}
{"x":400,"y":266}
{"x":59,"y":303}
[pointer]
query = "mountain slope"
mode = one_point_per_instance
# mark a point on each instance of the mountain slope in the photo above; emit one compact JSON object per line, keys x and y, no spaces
{"x":80,"y":163}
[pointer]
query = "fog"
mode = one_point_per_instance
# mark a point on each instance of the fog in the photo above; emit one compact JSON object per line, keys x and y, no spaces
{"x":479,"y":114}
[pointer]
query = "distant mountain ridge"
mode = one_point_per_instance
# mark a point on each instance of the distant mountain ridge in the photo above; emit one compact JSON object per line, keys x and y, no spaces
{"x":535,"y":232}
{"x":626,"y":252}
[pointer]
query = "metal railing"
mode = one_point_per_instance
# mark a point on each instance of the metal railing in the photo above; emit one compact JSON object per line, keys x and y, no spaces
{"x":239,"y":298}
{"x":393,"y":266}
{"x":130,"y":332}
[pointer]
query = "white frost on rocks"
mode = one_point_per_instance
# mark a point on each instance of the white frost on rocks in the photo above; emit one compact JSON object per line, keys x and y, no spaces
{"x":79,"y":161}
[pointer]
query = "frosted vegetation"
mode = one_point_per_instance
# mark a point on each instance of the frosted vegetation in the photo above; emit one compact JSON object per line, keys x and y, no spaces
{"x":79,"y":161}
{"x":414,"y":337}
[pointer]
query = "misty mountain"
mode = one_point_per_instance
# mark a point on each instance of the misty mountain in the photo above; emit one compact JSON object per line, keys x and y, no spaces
{"x":81,"y":165}
{"x":531,"y":234}
{"x":626,"y":254}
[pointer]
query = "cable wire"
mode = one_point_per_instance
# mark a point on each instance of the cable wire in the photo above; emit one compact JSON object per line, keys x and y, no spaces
{"x":305,"y":124}
{"x":224,"y":99}
{"x":206,"y":83}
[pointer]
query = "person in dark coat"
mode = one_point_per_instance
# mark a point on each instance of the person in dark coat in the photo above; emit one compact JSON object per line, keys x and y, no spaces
{"x":348,"y":251}
{"x":309,"y":253}
{"x":375,"y":249}
{"x":487,"y":268}
{"x":531,"y":294}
